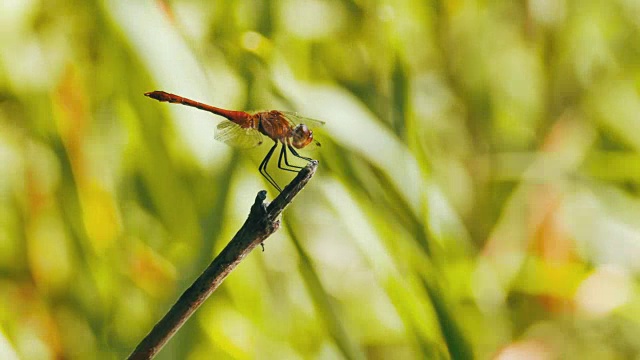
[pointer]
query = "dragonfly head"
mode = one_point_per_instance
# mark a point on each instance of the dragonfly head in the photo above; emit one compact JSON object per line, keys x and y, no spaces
{"x":302,"y":136}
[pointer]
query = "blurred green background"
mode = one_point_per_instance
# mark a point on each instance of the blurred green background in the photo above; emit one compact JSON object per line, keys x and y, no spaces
{"x":477,"y":195}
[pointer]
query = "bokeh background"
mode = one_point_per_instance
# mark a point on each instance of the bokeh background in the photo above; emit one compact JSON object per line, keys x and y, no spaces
{"x":477,"y":195}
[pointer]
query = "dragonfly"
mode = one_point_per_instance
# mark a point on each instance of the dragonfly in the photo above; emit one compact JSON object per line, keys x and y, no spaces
{"x":246,"y":130}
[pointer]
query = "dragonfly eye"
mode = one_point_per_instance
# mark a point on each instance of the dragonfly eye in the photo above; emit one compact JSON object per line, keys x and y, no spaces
{"x":302,"y":136}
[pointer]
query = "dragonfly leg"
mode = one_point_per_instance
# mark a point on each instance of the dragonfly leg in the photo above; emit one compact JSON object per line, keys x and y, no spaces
{"x":263,"y":167}
{"x":283,"y":153}
{"x":295,"y":153}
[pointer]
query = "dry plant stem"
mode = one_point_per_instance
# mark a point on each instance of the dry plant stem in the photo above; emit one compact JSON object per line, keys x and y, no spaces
{"x":261,"y":223}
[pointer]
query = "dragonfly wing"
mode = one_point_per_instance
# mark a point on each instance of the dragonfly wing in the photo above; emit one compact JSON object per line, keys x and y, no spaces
{"x":234,"y":135}
{"x":297,"y":119}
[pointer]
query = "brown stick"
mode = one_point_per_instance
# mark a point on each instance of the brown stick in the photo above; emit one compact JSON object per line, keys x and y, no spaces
{"x":261,"y":223}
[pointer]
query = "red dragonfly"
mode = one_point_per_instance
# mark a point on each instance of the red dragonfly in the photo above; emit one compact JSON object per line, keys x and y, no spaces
{"x":245,"y":130}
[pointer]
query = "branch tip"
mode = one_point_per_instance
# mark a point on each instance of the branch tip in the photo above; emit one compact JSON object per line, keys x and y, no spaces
{"x":261,"y":223}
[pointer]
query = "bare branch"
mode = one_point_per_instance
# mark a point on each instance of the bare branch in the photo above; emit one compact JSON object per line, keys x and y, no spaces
{"x":261,"y":223}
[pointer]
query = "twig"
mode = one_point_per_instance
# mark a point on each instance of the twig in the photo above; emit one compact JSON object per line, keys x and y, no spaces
{"x":261,"y":223}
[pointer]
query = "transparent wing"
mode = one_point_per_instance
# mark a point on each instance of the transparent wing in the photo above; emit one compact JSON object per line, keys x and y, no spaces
{"x":232,"y":134}
{"x":297,"y":119}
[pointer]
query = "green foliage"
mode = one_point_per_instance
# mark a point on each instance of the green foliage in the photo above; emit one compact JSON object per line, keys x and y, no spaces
{"x":477,"y":194}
